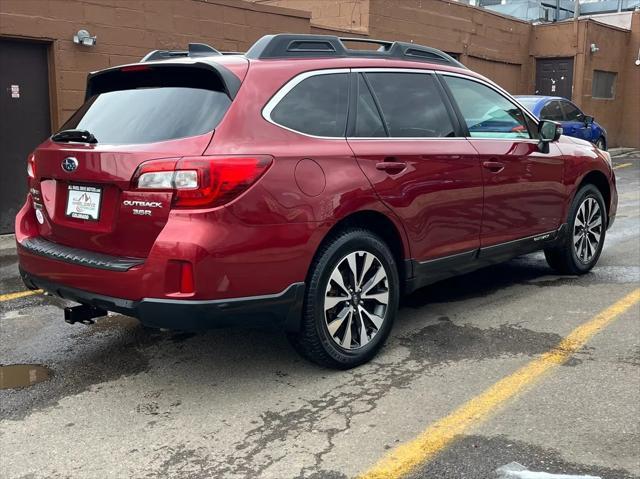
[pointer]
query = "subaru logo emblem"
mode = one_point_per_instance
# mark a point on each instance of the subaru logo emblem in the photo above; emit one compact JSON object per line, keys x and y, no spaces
{"x":69,"y":164}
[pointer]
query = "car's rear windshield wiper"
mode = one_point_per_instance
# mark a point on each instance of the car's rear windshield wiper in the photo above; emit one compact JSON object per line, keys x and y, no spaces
{"x":83,"y":136}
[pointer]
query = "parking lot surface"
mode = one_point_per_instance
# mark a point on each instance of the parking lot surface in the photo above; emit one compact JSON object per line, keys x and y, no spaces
{"x":118,"y":400}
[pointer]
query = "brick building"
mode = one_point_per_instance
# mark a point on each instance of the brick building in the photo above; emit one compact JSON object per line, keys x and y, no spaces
{"x":43,"y":72}
{"x":503,"y":48}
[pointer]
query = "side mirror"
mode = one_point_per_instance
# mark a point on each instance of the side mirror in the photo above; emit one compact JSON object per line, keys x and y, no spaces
{"x":549,"y":131}
{"x":588,"y":120}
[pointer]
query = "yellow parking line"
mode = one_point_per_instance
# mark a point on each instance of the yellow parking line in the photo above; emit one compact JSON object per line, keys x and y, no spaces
{"x":406,"y":457}
{"x":623,"y":165}
{"x":19,"y":294}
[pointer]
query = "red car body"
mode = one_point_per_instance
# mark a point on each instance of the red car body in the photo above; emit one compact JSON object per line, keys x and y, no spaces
{"x":250,"y":257}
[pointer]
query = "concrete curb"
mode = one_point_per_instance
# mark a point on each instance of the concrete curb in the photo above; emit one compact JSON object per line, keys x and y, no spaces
{"x":7,"y":242}
{"x":621,"y":151}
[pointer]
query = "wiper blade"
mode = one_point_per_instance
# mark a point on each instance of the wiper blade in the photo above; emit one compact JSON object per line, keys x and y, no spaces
{"x":83,"y":136}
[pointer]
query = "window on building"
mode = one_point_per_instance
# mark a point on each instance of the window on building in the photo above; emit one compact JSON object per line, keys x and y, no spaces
{"x":316,"y":106}
{"x":411,"y":104}
{"x":603,"y":85}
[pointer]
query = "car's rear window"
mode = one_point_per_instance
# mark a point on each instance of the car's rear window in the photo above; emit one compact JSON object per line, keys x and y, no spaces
{"x":163,"y":108}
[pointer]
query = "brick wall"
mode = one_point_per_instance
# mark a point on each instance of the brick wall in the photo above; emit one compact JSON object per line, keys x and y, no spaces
{"x":630,"y":118}
{"x":490,"y":43}
{"x":350,"y":15}
{"x":574,"y":39}
{"x":128,"y":30}
{"x":612,"y":43}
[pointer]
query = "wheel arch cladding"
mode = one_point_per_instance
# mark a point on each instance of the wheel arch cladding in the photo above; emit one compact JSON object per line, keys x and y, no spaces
{"x":600,"y":181}
{"x":378,"y":224}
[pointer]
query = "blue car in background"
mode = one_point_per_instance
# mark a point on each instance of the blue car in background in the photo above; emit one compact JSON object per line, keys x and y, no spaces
{"x":574,"y":122}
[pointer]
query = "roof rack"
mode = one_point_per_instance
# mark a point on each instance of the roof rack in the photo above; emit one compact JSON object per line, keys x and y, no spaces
{"x":292,"y":46}
{"x":195,"y":50}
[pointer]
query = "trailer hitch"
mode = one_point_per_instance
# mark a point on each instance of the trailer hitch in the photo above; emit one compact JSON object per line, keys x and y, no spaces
{"x":83,"y":313}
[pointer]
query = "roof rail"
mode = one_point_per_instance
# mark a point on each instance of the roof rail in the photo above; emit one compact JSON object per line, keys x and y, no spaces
{"x":292,"y":46}
{"x":195,"y":50}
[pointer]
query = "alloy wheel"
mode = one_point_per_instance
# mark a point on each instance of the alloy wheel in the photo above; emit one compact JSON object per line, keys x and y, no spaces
{"x":587,"y":230}
{"x":356,"y":300}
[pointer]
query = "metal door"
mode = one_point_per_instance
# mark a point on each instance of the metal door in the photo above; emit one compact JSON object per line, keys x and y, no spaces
{"x":24,"y":119}
{"x":554,"y":77}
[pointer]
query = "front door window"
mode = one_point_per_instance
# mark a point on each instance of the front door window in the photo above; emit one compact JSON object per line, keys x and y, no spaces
{"x":486,"y":113}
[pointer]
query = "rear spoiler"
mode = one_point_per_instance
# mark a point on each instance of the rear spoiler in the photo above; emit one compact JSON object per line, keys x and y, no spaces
{"x":212,"y":76}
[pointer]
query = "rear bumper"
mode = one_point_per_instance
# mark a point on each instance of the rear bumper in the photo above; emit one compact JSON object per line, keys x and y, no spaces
{"x":228,"y":259}
{"x":282,"y":309}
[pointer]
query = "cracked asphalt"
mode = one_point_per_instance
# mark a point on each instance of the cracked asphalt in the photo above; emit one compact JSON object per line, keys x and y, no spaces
{"x":124,"y":401}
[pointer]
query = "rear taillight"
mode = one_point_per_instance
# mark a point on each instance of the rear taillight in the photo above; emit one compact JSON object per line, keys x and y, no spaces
{"x":31,"y":166}
{"x":203,"y":181}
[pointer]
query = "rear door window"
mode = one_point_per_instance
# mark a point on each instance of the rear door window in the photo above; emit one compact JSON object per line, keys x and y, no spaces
{"x":146,"y":107}
{"x":412,"y":105}
{"x":368,"y":121}
{"x":315,"y":106}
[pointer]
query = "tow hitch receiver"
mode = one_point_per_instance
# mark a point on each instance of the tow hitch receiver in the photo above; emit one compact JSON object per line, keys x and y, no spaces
{"x":83,"y":314}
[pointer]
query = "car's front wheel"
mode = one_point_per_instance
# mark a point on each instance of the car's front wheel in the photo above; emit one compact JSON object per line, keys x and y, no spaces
{"x":580,"y":249}
{"x":351,"y":301}
{"x":601,"y":144}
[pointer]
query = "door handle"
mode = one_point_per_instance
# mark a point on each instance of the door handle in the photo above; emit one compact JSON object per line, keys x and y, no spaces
{"x":391,"y":166}
{"x":493,"y":166}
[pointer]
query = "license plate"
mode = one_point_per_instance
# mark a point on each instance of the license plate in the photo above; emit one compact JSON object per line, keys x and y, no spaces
{"x":83,"y":202}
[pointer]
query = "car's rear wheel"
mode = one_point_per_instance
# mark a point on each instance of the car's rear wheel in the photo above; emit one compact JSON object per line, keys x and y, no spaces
{"x":351,"y":301}
{"x":580,"y":249}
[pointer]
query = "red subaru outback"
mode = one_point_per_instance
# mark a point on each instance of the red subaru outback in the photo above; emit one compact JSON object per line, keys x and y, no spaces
{"x":303,"y":183}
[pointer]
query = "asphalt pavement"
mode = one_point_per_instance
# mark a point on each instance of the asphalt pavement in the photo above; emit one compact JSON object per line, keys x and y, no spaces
{"x":120,"y":401}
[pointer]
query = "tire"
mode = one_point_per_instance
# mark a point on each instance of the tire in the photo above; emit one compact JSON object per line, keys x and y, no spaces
{"x":333,"y":337}
{"x":574,"y":255}
{"x":601,"y":143}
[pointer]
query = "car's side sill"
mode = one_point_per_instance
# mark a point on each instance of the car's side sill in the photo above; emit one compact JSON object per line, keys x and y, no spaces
{"x":428,"y":272}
